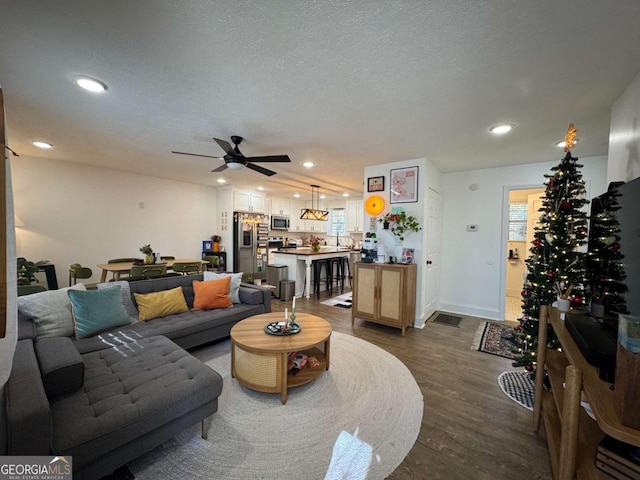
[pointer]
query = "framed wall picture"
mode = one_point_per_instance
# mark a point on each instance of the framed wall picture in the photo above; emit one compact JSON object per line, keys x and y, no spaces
{"x":375,"y":184}
{"x":404,"y":185}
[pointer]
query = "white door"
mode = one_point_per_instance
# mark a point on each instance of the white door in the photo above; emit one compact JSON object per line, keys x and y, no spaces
{"x":432,"y":257}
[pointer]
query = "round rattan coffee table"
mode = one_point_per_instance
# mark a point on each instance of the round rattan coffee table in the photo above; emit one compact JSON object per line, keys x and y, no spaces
{"x":259,"y":360}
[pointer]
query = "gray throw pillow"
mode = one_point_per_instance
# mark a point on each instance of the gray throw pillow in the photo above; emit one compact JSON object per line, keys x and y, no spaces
{"x":51,"y":311}
{"x":234,"y":287}
{"x":132,"y":311}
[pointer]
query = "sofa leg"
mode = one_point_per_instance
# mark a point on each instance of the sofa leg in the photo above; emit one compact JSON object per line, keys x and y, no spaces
{"x":206,"y":425}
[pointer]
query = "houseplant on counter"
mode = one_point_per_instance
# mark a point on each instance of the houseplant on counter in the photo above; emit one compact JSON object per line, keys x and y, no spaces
{"x":148,"y":251}
{"x":400,"y":224}
{"x":315,"y":243}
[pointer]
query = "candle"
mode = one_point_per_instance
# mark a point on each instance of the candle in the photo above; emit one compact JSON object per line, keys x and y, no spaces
{"x":286,"y":315}
{"x":293,"y":306}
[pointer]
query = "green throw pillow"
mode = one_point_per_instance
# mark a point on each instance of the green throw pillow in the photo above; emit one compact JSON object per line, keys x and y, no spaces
{"x":95,"y":311}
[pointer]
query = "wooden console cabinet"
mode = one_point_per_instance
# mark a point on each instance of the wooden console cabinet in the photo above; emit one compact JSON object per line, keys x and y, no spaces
{"x":572,"y":436}
{"x":384,"y":293}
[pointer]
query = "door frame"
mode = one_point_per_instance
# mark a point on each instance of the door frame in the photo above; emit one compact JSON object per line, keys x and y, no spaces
{"x":504,"y":236}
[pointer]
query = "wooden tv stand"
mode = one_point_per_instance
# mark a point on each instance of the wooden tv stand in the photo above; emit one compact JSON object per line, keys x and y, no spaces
{"x":567,"y":426}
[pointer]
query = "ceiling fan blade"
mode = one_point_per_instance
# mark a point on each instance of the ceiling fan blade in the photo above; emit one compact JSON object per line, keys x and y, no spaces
{"x":270,"y":158}
{"x":225,"y":146}
{"x":220,"y":168}
{"x":196,"y":155}
{"x":262,"y":170}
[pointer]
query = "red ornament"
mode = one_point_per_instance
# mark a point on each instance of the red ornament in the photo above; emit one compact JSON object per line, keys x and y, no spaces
{"x":565,"y":204}
{"x":550,"y":274}
{"x":528,"y":367}
{"x":615,"y":246}
{"x":523,"y":293}
{"x":576,"y":301}
{"x":537,"y":242}
{"x":583,"y":229}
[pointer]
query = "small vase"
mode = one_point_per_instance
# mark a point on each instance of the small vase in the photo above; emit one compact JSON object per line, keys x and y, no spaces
{"x":148,"y":260}
{"x":315,"y":247}
{"x":385,"y":225}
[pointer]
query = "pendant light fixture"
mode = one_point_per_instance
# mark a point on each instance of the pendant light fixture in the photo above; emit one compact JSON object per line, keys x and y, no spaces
{"x":314,"y":213}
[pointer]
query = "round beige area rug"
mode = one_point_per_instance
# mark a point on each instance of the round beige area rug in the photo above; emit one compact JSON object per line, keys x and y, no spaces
{"x":357,"y":420}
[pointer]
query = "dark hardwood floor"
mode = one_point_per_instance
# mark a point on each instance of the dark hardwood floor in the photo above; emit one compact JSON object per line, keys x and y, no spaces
{"x":470,"y":429}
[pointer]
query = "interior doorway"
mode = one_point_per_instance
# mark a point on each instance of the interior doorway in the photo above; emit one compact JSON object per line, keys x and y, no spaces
{"x":523,"y":214}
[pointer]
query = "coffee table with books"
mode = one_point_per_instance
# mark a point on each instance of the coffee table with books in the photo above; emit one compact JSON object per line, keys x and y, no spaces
{"x":260,"y":361}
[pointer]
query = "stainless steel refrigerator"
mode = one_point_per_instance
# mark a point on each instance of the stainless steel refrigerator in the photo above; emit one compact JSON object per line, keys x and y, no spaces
{"x":250,"y":238}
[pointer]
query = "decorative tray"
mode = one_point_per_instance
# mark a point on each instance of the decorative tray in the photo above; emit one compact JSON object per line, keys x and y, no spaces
{"x":277,"y":328}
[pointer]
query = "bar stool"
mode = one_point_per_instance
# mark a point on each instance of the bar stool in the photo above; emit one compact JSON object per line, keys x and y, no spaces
{"x":339,"y":269}
{"x":317,"y":276}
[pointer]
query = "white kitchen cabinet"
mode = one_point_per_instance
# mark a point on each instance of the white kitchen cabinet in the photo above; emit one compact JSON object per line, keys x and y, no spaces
{"x":295,"y":224}
{"x":280,"y":206}
{"x":355,"y":210}
{"x":248,"y":202}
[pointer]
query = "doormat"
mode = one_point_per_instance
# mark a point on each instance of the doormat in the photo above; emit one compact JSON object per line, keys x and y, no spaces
{"x":495,"y":338}
{"x":519,"y":387}
{"x":342,"y":301}
{"x":445,"y":319}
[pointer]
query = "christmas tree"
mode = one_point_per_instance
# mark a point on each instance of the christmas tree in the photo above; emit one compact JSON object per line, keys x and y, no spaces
{"x":605,"y":270}
{"x":555,"y":267}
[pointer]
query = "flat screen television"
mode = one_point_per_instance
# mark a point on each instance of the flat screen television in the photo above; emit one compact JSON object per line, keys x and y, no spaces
{"x":613,"y":257}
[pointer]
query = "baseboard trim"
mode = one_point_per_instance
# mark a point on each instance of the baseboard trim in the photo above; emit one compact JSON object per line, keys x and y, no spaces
{"x":469,"y":310}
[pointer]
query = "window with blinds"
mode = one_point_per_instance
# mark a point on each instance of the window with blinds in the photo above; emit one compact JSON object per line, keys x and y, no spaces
{"x":337,"y":222}
{"x":517,"y":221}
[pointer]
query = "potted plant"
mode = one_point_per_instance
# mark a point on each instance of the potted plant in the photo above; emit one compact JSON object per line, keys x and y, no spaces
{"x":148,"y":251}
{"x":400,"y":224}
{"x":27,"y":271}
{"x":315,"y":243}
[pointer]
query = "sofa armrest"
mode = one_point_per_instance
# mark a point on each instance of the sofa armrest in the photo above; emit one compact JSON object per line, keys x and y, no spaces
{"x":61,"y":366}
{"x":255,"y":295}
{"x":26,"y":327}
{"x":28,"y":411}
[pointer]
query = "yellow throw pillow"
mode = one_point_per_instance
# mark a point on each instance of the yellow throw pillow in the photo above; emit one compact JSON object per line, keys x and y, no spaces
{"x":211,"y":294}
{"x":160,"y":304}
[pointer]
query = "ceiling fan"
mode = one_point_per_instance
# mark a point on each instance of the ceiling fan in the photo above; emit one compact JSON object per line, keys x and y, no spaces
{"x":235,"y":160}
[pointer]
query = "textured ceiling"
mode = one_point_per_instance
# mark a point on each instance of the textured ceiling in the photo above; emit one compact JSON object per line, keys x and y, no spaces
{"x":344,"y":84}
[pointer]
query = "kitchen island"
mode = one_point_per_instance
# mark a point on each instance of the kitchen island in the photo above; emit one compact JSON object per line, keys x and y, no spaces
{"x":298,"y":262}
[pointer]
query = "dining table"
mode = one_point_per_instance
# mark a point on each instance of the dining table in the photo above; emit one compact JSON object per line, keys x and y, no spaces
{"x":125,"y":267}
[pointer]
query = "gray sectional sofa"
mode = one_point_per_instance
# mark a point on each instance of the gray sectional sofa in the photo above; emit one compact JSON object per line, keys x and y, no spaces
{"x":106,"y":399}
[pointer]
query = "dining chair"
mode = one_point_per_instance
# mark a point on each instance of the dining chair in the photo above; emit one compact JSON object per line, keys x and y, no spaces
{"x":213,"y":262}
{"x":187,"y":268}
{"x":122,"y":260}
{"x":77,"y":271}
{"x":144,"y":272}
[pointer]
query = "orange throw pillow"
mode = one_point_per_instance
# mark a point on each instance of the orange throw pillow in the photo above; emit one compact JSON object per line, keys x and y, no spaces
{"x":211,"y":294}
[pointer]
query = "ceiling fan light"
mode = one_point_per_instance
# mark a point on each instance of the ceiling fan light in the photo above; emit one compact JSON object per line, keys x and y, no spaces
{"x":235,"y":165}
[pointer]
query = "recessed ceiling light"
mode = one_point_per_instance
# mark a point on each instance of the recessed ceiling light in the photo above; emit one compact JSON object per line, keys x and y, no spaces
{"x":297,"y":195}
{"x":308,"y":164}
{"x":91,"y":84}
{"x":502,"y":128}
{"x":222,"y":180}
{"x":261,"y":188}
{"x":345,"y":194}
{"x":43,"y":145}
{"x":562,"y":143}
{"x":323,"y":196}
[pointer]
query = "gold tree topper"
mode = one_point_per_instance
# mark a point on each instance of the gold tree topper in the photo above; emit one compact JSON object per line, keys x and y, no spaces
{"x":570,"y":138}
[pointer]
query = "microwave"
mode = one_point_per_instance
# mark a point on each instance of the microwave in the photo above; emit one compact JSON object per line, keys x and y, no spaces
{"x":279,"y":222}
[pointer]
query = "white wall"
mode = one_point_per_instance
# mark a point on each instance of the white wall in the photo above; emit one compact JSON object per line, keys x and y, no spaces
{"x":83,"y":214}
{"x":624,"y":135}
{"x":428,"y":176}
{"x":472,"y":281}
